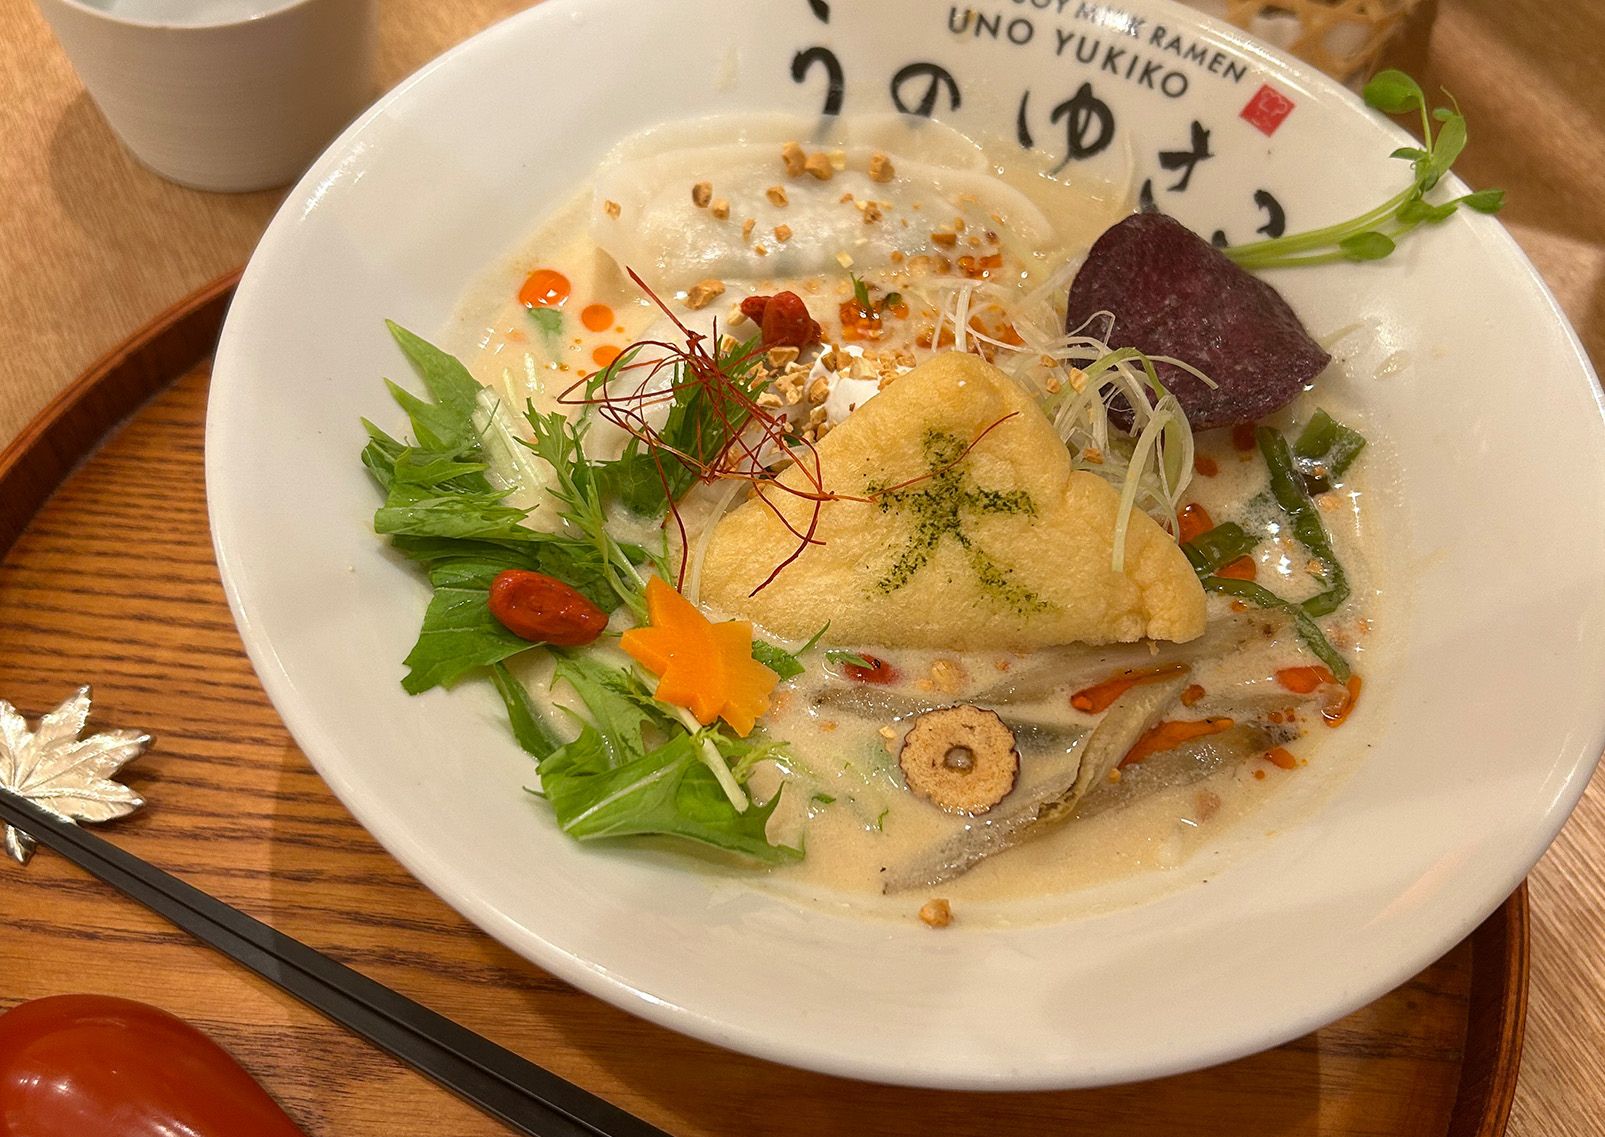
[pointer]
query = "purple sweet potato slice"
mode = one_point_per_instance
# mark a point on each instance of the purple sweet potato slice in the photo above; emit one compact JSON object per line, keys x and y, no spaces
{"x":1173,"y":294}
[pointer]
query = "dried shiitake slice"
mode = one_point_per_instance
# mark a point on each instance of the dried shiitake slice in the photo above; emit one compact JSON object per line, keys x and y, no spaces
{"x":960,"y":758}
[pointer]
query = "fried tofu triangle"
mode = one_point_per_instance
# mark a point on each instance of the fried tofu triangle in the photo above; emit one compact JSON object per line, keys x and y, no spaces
{"x":1002,"y":547}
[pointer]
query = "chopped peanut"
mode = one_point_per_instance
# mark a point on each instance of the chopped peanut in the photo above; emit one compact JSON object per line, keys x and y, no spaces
{"x":937,"y":913}
{"x":947,"y":676}
{"x":703,"y":292}
{"x":776,"y":195}
{"x":611,"y":208}
{"x":819,"y":166}
{"x":747,"y":227}
{"x":944,"y":237}
{"x":720,"y":208}
{"x":779,"y":357}
{"x":782,"y":233}
{"x":794,"y":158}
{"x":701,"y":194}
{"x":880,"y":168}
{"x":769,"y":399}
{"x":819,"y":390}
{"x":844,"y":260}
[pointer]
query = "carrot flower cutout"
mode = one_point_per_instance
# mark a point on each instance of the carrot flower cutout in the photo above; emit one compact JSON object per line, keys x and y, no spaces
{"x":705,"y":667}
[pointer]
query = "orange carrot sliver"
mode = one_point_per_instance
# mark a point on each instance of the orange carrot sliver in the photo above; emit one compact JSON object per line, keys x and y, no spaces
{"x":1303,"y":680}
{"x":1243,"y":568}
{"x":1281,"y":758}
{"x":1172,"y":733}
{"x":1098,"y":698}
{"x":1195,"y":522}
{"x":1338,"y":709}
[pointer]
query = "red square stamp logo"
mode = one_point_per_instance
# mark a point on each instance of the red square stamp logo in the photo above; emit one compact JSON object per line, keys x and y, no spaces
{"x":1266,"y":110}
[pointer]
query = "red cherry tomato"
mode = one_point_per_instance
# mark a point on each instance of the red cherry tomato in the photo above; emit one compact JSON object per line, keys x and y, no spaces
{"x":72,"y":1065}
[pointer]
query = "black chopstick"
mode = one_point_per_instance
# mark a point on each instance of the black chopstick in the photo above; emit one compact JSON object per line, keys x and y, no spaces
{"x":531,"y":1100}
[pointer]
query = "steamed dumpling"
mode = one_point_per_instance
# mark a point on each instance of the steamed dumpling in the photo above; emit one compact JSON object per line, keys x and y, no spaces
{"x":1008,"y":548}
{"x":644,"y":217}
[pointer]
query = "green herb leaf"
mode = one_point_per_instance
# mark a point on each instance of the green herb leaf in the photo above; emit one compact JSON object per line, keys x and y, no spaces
{"x":1445,"y":149}
{"x":448,"y":381}
{"x":459,"y":634}
{"x":850,"y":658}
{"x":783,"y":663}
{"x":776,"y":659}
{"x":1423,"y":212}
{"x":668,"y":791}
{"x":1367,"y":246}
{"x":742,"y":754}
{"x":380,"y":455}
{"x":529,"y":726}
{"x":621,"y":708}
{"x":697,"y":425}
{"x":1375,"y":234}
{"x":550,"y":322}
{"x":1393,"y":92}
{"x":416,"y":512}
{"x":1485,"y":201}
{"x":560,"y":443}
{"x":861,"y":293}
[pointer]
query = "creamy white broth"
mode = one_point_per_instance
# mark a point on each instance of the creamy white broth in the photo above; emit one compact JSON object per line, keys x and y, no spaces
{"x":1173,"y":836}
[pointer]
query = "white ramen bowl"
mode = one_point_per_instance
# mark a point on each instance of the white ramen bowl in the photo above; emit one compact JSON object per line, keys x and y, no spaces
{"x":1468,"y":750}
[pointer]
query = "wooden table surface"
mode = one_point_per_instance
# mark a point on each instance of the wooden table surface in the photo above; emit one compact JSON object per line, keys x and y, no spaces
{"x":92,"y":246}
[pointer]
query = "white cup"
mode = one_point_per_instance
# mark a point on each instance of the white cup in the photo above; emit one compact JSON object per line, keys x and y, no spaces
{"x":227,"y":95}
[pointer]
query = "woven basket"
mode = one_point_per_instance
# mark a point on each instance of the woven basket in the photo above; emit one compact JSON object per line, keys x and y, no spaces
{"x":1341,"y":37}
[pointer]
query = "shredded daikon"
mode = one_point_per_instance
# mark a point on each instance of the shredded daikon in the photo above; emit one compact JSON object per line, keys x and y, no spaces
{"x":1076,"y":376}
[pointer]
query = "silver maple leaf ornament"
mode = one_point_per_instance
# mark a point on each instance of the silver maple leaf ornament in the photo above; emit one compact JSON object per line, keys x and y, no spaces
{"x":62,"y":773}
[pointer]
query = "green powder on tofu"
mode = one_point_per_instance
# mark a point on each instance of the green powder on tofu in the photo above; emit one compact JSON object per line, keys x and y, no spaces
{"x":936,"y":506}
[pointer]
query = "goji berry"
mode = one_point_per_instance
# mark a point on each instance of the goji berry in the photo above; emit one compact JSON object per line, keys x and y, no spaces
{"x":542,"y":609}
{"x":878,"y":671}
{"x":783,"y":320}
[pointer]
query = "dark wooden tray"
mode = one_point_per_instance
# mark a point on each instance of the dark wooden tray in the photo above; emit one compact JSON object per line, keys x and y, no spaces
{"x":107,"y":576}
